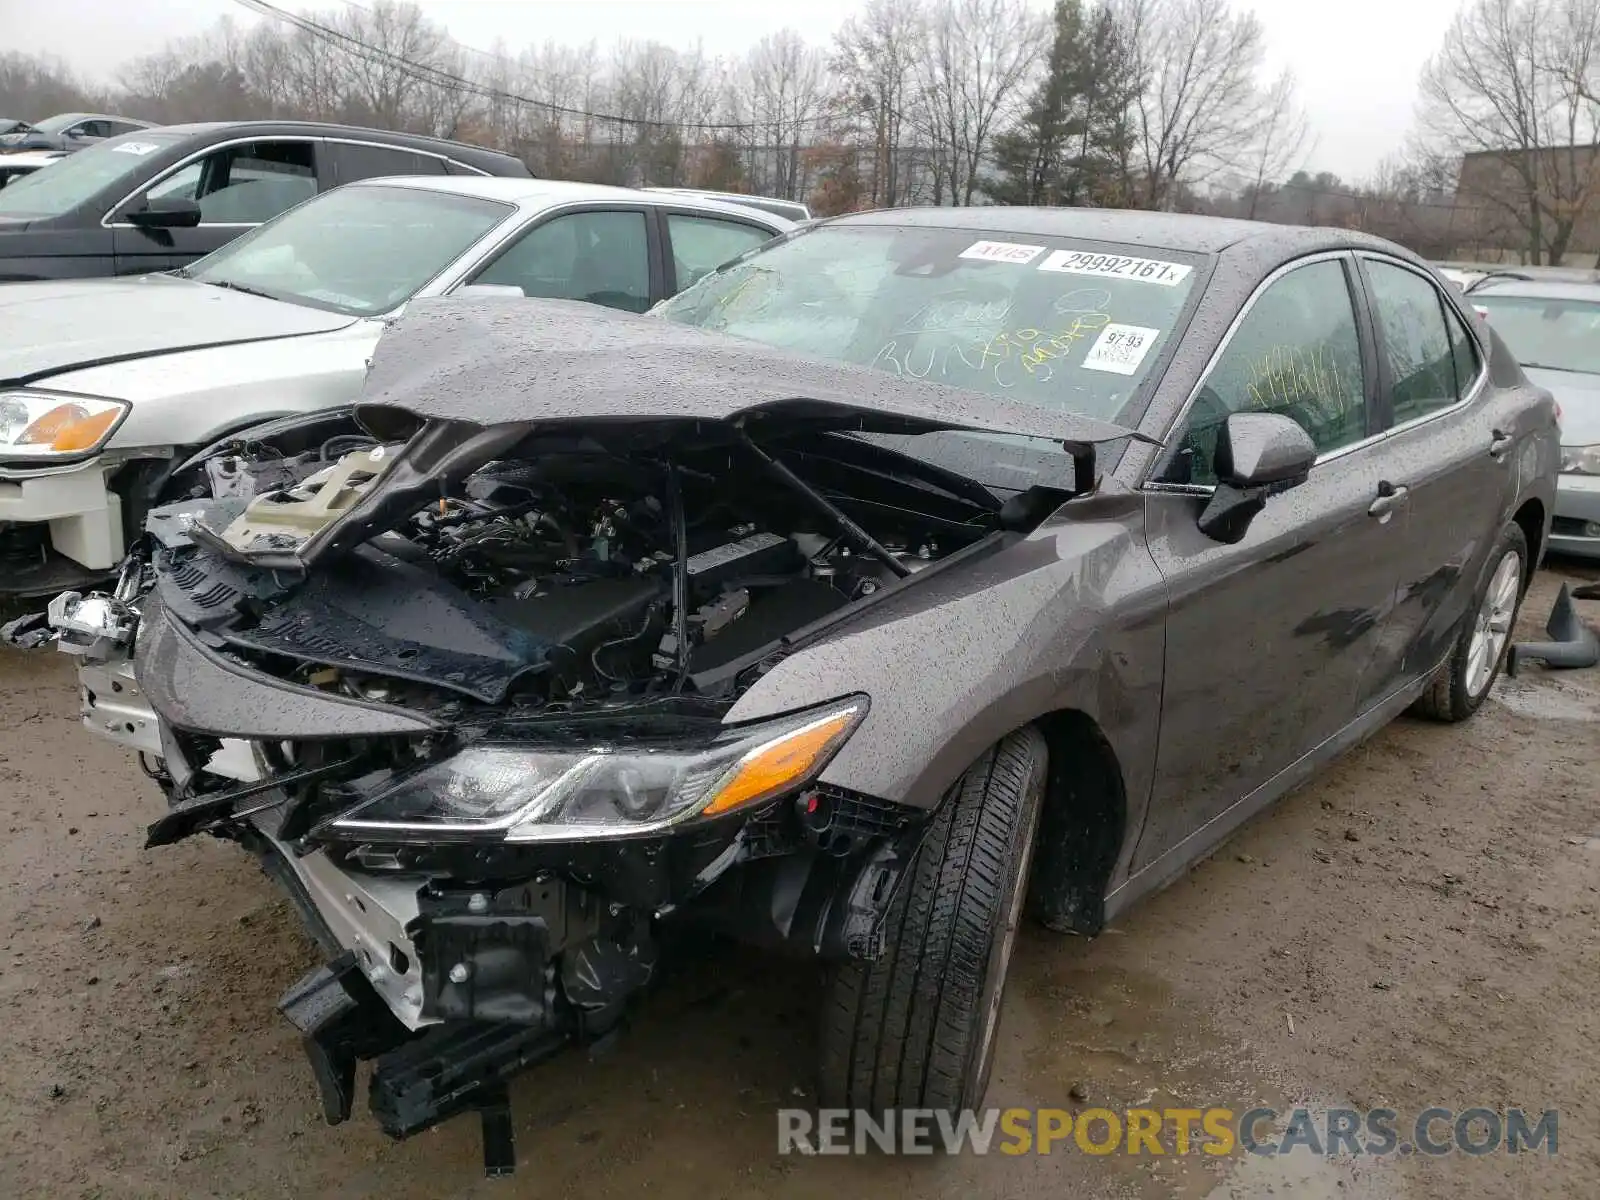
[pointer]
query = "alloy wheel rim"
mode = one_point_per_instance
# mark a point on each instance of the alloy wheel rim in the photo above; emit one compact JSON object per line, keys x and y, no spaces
{"x":1491,"y":628}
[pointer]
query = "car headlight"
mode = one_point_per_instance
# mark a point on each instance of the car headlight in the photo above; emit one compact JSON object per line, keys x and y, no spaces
{"x":1580,"y":460}
{"x":55,"y":425}
{"x":514,"y":792}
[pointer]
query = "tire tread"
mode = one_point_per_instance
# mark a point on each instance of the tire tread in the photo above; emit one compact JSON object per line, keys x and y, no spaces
{"x":899,"y":1031}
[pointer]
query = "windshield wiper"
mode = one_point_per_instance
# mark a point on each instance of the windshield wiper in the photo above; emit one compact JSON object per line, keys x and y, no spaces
{"x":236,"y":287}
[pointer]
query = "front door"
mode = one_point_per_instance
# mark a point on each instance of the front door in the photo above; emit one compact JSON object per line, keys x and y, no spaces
{"x":237,"y":188}
{"x":1269,"y":640}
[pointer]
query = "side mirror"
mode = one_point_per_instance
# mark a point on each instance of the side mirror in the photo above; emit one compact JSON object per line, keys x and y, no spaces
{"x":165,"y":212}
{"x":1257,"y":455}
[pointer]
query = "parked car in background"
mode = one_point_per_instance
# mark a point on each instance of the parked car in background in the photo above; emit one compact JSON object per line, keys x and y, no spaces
{"x":15,"y":166}
{"x":103,"y":383}
{"x":1554,"y":330}
{"x":160,"y":198}
{"x":12,"y":125}
{"x":68,"y":132}
{"x":909,"y":574}
{"x":793,"y":210}
{"x":1460,"y":277}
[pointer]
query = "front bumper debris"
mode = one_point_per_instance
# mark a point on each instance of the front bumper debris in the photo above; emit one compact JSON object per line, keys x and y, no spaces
{"x":416,"y":1082}
{"x":94,"y":626}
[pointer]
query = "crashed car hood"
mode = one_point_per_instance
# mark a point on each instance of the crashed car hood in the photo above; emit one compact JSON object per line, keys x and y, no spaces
{"x":491,"y":361}
{"x":54,"y":327}
{"x":470,"y":378}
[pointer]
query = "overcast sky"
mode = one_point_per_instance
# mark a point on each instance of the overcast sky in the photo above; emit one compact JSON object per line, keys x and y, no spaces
{"x":1356,"y":61}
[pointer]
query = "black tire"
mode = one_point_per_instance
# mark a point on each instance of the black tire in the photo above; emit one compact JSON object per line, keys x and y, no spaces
{"x":913,"y":1028}
{"x":1449,"y":696}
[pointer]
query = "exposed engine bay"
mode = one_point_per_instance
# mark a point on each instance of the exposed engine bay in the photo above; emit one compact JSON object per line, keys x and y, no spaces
{"x":551,"y":580}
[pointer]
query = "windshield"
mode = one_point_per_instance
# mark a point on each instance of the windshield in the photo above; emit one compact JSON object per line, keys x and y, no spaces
{"x":1559,"y":334}
{"x":360,"y":250}
{"x":1044,"y":321}
{"x":81,"y":176}
{"x":57,"y":123}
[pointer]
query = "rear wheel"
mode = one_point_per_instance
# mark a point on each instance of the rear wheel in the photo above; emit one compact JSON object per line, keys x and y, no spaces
{"x":917,"y":1027}
{"x":1480,"y":650}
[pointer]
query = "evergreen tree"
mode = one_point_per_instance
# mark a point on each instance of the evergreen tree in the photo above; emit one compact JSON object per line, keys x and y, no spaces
{"x":1072,"y":144}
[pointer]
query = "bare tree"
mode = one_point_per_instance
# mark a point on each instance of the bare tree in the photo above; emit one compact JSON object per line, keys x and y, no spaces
{"x":33,"y":87}
{"x":877,"y":55}
{"x":300,"y":73}
{"x":787,"y":85}
{"x":1509,"y":93}
{"x":1197,"y":110}
{"x":395,"y":57}
{"x":981,"y":54}
{"x":1281,"y":133}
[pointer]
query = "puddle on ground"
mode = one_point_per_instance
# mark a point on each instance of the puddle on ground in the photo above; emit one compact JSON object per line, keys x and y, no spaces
{"x":1547,"y":698}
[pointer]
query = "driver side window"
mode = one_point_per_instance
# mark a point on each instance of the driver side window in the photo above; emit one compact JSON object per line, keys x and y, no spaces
{"x":243,"y":185}
{"x":1297,"y":353}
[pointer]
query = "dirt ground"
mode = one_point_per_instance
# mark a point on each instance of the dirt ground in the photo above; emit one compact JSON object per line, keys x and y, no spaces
{"x":1418,"y":927}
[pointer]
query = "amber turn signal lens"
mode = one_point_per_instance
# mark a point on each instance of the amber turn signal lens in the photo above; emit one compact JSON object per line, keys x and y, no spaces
{"x":45,"y":429}
{"x":782,"y":763}
{"x":85,"y":433}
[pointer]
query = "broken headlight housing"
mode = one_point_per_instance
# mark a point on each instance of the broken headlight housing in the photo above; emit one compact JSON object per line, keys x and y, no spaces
{"x":515,"y":792}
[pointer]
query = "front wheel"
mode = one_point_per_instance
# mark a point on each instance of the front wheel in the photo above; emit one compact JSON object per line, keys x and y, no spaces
{"x":916,"y":1028}
{"x":1463,"y":683}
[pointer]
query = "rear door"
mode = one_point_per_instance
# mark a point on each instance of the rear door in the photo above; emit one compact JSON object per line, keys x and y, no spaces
{"x":1269,"y":640}
{"x":1448,"y":451}
{"x":237,"y":187}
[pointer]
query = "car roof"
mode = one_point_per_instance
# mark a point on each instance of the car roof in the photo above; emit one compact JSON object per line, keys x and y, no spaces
{"x":1172,"y":231}
{"x":74,"y":118}
{"x":1539,"y":289}
{"x":541,"y":193}
{"x":464,"y":151}
{"x":750,"y":199}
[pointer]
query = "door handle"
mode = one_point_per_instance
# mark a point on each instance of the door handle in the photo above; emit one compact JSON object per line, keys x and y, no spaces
{"x":1500,"y":445}
{"x":1390,"y":497}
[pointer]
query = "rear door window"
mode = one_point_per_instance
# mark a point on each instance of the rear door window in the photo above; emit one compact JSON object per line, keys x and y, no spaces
{"x":701,"y":244}
{"x":600,"y":256}
{"x":350,"y":162}
{"x":1417,"y":350}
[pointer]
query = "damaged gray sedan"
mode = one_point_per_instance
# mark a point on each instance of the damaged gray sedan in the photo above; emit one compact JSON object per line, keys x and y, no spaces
{"x":910,"y":574}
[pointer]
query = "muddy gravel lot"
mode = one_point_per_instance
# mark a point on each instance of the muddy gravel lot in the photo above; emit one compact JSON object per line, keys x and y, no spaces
{"x":1418,"y":927}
